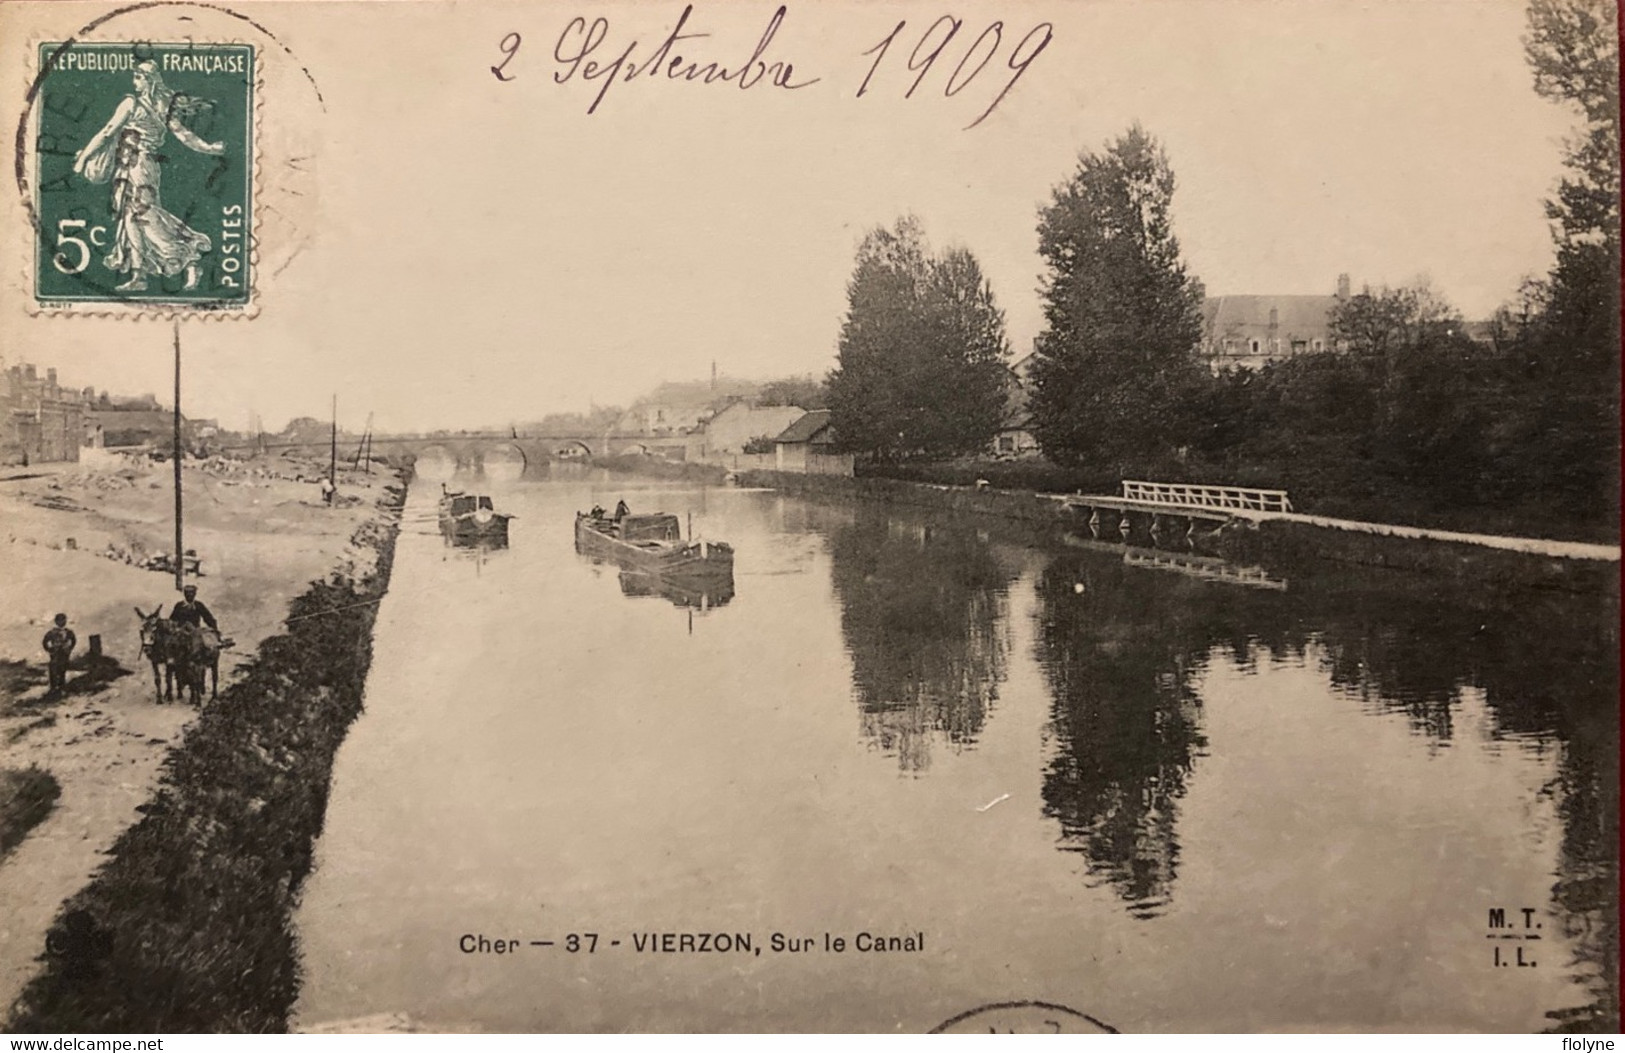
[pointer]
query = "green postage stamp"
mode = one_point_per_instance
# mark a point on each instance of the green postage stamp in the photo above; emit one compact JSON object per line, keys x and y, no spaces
{"x":144,"y":175}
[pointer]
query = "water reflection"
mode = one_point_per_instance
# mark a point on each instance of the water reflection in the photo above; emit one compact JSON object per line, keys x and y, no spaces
{"x":1125,"y":654}
{"x":1126,"y":720}
{"x":504,"y":463}
{"x":923,"y":615}
{"x":1547,"y":666}
{"x":1313,"y":792}
{"x":693,"y":595}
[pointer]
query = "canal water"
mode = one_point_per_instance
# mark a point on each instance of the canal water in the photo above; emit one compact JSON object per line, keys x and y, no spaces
{"x":1167,"y":794}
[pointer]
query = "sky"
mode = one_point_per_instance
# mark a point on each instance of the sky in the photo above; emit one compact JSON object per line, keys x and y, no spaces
{"x":442,"y":249}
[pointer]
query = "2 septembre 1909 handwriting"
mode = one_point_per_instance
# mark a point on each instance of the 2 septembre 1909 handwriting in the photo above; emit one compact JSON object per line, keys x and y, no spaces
{"x":947,"y":55}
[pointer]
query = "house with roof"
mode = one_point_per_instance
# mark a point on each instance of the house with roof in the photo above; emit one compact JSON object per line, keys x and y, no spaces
{"x":808,"y":445}
{"x":742,"y":420}
{"x":1253,"y":331}
{"x":680,"y":407}
{"x":1015,"y":437}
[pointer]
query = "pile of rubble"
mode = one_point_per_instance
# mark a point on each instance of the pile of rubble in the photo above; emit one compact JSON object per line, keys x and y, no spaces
{"x":159,"y":561}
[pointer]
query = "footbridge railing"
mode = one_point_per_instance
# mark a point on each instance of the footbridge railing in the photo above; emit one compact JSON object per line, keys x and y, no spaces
{"x":1188,"y":495}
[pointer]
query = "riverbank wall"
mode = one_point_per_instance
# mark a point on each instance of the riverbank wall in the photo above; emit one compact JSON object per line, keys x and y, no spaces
{"x":659,"y":468}
{"x":1006,"y":504}
{"x":187,"y":926}
{"x":1275,"y":544}
{"x":1282,"y":542}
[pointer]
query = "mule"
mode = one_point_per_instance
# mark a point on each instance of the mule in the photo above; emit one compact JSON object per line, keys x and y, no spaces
{"x":157,"y":637}
{"x":196,"y":650}
{"x":186,"y":652}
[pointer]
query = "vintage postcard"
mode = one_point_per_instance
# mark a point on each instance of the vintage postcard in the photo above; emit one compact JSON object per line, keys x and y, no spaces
{"x":532,"y":517}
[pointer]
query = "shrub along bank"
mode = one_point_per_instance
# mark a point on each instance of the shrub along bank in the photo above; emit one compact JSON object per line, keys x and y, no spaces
{"x":1322,"y":479}
{"x":26,"y":798}
{"x":188,"y":927}
{"x":1035,"y":475}
{"x":1277,"y":545}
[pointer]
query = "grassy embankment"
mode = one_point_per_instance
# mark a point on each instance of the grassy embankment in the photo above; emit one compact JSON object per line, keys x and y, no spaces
{"x":1278,"y":546}
{"x":1349,"y":496}
{"x":187,"y":927}
{"x":26,"y":798}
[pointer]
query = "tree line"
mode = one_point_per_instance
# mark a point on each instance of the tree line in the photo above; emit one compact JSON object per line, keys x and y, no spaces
{"x":1402,"y":414}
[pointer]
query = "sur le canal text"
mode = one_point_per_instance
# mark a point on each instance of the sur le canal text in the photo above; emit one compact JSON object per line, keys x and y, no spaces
{"x":862,"y":942}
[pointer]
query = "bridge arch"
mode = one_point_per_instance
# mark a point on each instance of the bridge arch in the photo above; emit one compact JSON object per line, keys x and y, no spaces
{"x":503,"y":459}
{"x":436,"y":462}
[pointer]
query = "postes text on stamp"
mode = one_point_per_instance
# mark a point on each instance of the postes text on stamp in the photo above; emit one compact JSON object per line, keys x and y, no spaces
{"x":144,"y":174}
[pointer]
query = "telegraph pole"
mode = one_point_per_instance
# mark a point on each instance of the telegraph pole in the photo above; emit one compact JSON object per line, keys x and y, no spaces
{"x":333,"y":455}
{"x":363,"y":449}
{"x":180,"y":551}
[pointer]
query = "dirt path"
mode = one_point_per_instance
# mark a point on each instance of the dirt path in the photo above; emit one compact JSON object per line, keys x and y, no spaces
{"x":261,"y":540}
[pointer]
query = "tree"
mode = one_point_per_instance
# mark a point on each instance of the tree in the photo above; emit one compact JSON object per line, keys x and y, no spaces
{"x":1389,"y":321}
{"x":595,"y":421}
{"x":808,"y":393}
{"x":1514,"y":321}
{"x":1428,"y":389}
{"x":921,"y":366}
{"x":306,"y":430}
{"x":1117,"y":362}
{"x":1572,"y":49}
{"x":1571,"y":352}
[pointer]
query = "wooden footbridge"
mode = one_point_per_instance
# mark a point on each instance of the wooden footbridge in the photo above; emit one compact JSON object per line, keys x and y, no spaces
{"x":1158,"y":510}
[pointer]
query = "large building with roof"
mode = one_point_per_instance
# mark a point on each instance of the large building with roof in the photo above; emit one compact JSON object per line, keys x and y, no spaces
{"x":39,"y":419}
{"x":1253,"y":331}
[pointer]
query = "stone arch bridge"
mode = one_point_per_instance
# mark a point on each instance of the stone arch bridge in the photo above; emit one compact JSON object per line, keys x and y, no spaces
{"x":471,"y":451}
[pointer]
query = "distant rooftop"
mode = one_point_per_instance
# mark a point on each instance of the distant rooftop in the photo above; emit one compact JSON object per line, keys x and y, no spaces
{"x":1293,"y":314}
{"x":698,"y":392}
{"x":805,"y":427}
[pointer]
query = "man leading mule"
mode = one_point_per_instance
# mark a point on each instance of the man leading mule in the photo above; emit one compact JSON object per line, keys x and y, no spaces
{"x":187,"y":645}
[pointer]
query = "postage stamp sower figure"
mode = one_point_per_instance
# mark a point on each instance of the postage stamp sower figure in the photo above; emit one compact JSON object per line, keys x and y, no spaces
{"x":145,"y":160}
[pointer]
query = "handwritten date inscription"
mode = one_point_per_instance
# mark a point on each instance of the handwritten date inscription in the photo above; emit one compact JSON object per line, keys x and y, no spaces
{"x":583,"y":52}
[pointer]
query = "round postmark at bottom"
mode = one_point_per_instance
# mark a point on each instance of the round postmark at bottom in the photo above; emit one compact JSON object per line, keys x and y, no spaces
{"x":1023,"y":1018}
